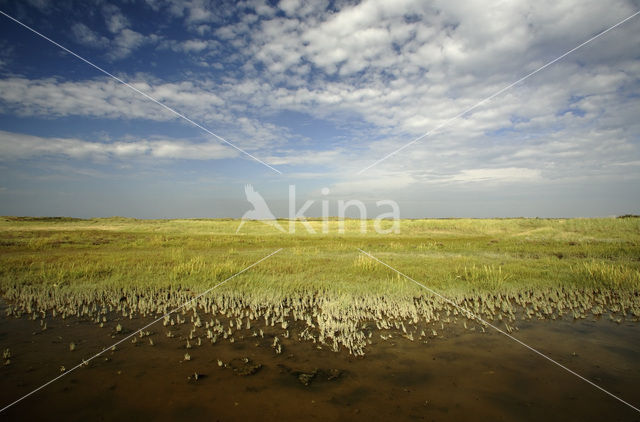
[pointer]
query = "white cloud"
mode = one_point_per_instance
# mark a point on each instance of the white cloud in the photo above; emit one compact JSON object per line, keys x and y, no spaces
{"x":225,"y":113}
{"x":374,"y":185}
{"x":190,"y":46}
{"x":127,"y":41}
{"x":114,"y":19}
{"x":509,"y":175}
{"x":447,"y":56}
{"x":107,"y":98}
{"x":85,"y":36}
{"x":307,"y":158}
{"x":18,"y":146}
{"x":194,"y":45}
{"x":124,"y":40}
{"x":290,"y":7}
{"x":103,"y":98}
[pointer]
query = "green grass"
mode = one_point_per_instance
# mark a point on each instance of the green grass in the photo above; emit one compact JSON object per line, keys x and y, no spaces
{"x":502,"y":267}
{"x":449,"y":255}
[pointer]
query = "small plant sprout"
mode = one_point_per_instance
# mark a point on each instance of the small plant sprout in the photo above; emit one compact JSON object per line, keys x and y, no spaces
{"x":220,"y":363}
{"x":72,"y":346}
{"x":118,"y":328}
{"x":187,"y":356}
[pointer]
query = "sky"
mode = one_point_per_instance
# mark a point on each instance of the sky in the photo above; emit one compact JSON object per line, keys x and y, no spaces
{"x":319,"y":91}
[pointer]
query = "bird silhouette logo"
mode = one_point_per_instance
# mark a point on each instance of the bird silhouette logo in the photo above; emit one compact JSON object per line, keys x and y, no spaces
{"x":260,"y":210}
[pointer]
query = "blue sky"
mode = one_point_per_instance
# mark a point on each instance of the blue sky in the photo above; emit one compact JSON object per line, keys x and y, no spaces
{"x":319,"y":90}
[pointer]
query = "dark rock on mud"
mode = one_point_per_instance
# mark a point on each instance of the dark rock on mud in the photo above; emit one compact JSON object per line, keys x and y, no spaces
{"x":333,"y":374}
{"x":244,"y":366}
{"x":305,"y":377}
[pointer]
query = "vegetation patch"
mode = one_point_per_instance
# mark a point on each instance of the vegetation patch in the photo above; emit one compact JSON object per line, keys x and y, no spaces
{"x":320,"y":288}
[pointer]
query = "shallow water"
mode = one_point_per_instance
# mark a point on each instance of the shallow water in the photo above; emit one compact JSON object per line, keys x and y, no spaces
{"x":458,"y":375}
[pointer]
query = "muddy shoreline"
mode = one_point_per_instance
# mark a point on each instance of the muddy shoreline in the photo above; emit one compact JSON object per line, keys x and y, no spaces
{"x":457,"y":375}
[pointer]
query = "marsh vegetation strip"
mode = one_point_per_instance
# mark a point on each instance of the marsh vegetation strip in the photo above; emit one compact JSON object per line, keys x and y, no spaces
{"x":141,"y":331}
{"x":470,"y":315}
{"x":319,"y":291}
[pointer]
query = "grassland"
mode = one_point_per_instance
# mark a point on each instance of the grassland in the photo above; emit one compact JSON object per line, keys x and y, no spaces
{"x":511,"y":268}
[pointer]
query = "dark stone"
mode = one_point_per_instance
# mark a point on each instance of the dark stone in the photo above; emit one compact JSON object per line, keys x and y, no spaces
{"x":306,"y":377}
{"x":244,"y":366}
